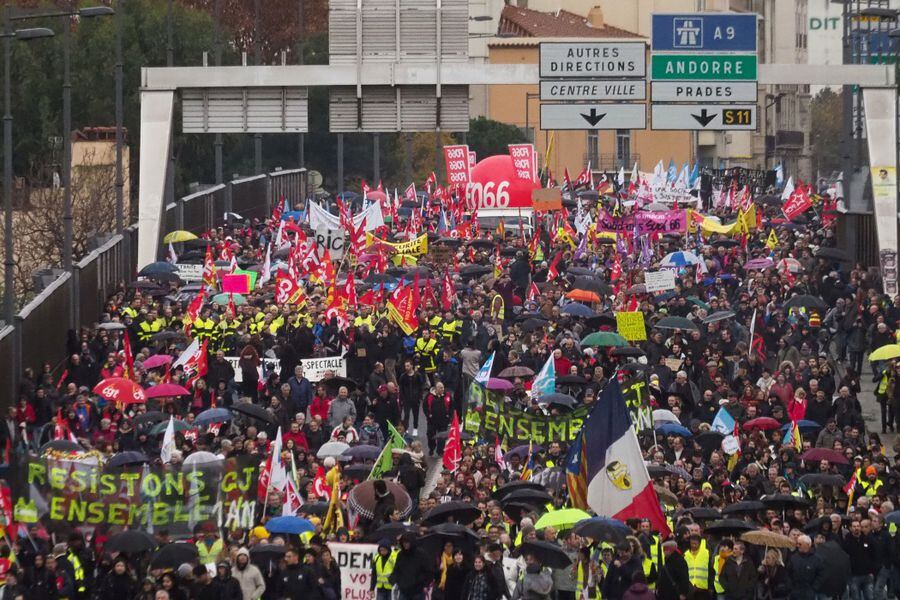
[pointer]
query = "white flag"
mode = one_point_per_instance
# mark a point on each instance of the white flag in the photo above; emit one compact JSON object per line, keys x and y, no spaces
{"x":620,"y":178}
{"x":788,"y":189}
{"x":266,"y":269}
{"x":168,"y":442}
{"x":173,"y":258}
{"x":485,"y":372}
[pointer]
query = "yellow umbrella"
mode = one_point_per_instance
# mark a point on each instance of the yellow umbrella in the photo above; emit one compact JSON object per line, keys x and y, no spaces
{"x":561,"y":519}
{"x":886,"y":352}
{"x":179,"y":235}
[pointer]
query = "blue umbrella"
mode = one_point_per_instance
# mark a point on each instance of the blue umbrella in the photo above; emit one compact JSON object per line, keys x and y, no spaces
{"x":578,"y":310}
{"x":294,"y":525}
{"x":292,"y":215}
{"x":157,"y":268}
{"x":805,"y":426}
{"x":679,"y":259}
{"x":603,"y":529}
{"x":674,"y":429}
{"x":213,"y":415}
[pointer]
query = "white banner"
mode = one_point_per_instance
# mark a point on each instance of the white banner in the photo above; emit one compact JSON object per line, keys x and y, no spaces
{"x":659,"y":281}
{"x":355,"y":563}
{"x":189,"y":272}
{"x":321,"y":219}
{"x":333,"y":239}
{"x":314,"y":368}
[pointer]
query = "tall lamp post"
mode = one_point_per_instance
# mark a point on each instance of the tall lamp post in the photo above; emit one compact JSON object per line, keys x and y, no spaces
{"x":9,"y":293}
{"x":85,"y":13}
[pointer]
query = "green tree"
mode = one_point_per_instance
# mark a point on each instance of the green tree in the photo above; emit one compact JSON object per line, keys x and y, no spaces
{"x":826,"y":118}
{"x":487,"y":137}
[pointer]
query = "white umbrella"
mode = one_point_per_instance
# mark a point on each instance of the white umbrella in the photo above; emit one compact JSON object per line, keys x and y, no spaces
{"x":661,"y":415}
{"x":334,"y":449}
{"x":202,"y":458}
{"x":111,"y":326}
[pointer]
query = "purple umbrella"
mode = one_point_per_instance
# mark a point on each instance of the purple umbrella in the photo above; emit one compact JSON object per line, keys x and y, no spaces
{"x":495,"y":383}
{"x":758,"y":264}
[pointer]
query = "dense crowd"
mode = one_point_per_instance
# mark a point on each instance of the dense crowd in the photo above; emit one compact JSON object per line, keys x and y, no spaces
{"x":798,"y":504}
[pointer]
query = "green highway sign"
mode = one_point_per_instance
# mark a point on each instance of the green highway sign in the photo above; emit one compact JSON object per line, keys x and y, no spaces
{"x":704,"y":67}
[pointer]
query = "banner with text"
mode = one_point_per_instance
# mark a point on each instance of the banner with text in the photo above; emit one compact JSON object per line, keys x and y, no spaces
{"x":458,"y":167}
{"x":76,"y":489}
{"x":355,"y":564}
{"x":644,"y":222}
{"x":524,"y":161}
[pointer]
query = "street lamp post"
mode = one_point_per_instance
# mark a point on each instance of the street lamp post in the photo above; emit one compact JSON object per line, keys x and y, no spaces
{"x":9,"y":293}
{"x":88,"y":12}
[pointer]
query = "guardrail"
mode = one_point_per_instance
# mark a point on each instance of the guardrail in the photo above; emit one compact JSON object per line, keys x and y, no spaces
{"x":40,"y":338}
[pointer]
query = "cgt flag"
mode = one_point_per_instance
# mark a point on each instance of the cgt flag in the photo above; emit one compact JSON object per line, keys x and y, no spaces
{"x":618,"y":484}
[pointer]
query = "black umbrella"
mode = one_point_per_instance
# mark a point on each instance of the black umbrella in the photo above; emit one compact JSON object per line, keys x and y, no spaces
{"x":528,"y":495}
{"x":475,"y":270}
{"x":463,"y":435}
{"x":267,"y":551}
{"x":453,"y":529}
{"x":481,"y":243}
{"x":517,"y":510}
{"x":702,"y":513}
{"x":591,"y":284}
{"x":826,"y":479}
{"x":461,"y":512}
{"x":676,"y":323}
{"x":558,"y":399}
{"x":784,"y":501}
{"x":718,"y":316}
{"x":832,"y":254}
{"x":62,"y":446}
{"x":254,"y":411}
{"x":143,"y":284}
{"x":165,"y":336}
{"x":727,"y":243}
{"x":376,"y":278}
{"x":123,"y":459}
{"x":391,"y":531}
{"x":571,"y":380}
{"x":663,"y":470}
{"x":805,"y":301}
{"x":334,"y":383}
{"x":130,"y":542}
{"x":172,"y":556}
{"x":729,"y":527}
{"x":580,"y":271}
{"x":362,"y":451}
{"x":151,"y":417}
{"x":530,"y":325}
{"x":627,"y":351}
{"x":158,"y":267}
{"x":709,"y":440}
{"x":513,"y":486}
{"x":315,"y":509}
{"x":548,"y":554}
{"x":747,"y":506}
{"x":357,"y":472}
{"x":602,"y":529}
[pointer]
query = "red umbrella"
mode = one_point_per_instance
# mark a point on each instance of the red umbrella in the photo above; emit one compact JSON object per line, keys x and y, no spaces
{"x":818,"y":454}
{"x":763,"y":423}
{"x":164,"y":390}
{"x":119,"y":389}
{"x":157,"y":360}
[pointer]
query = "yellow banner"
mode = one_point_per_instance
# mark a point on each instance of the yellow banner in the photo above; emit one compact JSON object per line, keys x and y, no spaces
{"x":416,"y":247}
{"x":631,"y":326}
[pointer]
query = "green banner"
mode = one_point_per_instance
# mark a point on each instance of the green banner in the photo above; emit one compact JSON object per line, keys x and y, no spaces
{"x":488,"y":415}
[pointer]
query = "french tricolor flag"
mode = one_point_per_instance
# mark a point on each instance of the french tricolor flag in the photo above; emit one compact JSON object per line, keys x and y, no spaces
{"x":618,"y":484}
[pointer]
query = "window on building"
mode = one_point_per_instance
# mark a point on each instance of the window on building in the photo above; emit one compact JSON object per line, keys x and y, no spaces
{"x":623,"y":147}
{"x":592,"y":152}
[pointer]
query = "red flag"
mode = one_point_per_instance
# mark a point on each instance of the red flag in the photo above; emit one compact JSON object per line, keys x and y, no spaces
{"x":403,"y":306}
{"x":409,"y":194}
{"x":60,"y":428}
{"x":277,"y":211}
{"x":195,"y":366}
{"x":797,"y":204}
{"x":568,"y":182}
{"x":287,"y":290}
{"x":552,"y":272}
{"x":533,"y":292}
{"x":453,"y":447}
{"x":429,"y":298}
{"x":209,"y":269}
{"x":447,"y":292}
{"x":320,"y":487}
{"x":616,"y":272}
{"x":129,"y":357}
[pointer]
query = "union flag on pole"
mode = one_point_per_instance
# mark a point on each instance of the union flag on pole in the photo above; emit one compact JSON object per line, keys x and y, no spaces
{"x":453,"y":447}
{"x":209,"y":269}
{"x":403,"y":306}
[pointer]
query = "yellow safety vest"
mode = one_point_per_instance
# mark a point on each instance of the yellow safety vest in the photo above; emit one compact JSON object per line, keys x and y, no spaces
{"x":79,"y":572}
{"x":716,"y":582}
{"x":427,"y":353}
{"x":129,"y":311}
{"x":581,"y":582}
{"x":209,"y":555}
{"x":450,"y":330}
{"x":359,"y":322}
{"x":870,"y":489}
{"x":384,"y":566}
{"x":146,"y":330}
{"x":647,"y":566}
{"x":698,"y":568}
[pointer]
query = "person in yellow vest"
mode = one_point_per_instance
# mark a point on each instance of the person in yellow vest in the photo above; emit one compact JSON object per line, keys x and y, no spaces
{"x":202,"y":328}
{"x":209,"y":546}
{"x":870,"y":485}
{"x":699,"y":573}
{"x":450,"y":328}
{"x":365,"y":317}
{"x":586,"y":579}
{"x":427,"y":350}
{"x":382,"y":567}
{"x":227,"y":331}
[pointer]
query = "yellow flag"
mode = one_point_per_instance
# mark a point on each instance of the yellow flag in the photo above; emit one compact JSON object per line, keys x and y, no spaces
{"x":772,"y":241}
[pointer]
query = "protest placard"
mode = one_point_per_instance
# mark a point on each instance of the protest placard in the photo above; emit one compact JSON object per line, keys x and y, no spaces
{"x":631,"y":326}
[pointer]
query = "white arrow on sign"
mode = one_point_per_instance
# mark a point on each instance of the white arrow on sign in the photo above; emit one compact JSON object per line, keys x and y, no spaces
{"x":593,"y":116}
{"x":704,"y":91}
{"x":707,"y":117}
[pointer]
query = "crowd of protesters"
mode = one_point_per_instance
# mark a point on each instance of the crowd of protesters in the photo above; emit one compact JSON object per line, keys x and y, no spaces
{"x":791,"y":371}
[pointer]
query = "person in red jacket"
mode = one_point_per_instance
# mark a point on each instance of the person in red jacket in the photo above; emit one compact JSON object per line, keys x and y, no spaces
{"x":320,"y":404}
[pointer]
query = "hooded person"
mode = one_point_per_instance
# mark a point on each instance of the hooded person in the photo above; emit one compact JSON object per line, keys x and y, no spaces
{"x":229,"y":588}
{"x":413,"y":570}
{"x":536,"y":583}
{"x":118,"y":583}
{"x":248,"y":576}
{"x":384,"y":504}
{"x":382,"y":567}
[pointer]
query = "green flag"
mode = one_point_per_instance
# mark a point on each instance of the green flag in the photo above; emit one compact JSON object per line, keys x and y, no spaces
{"x":385,"y":461}
{"x":395,"y":436}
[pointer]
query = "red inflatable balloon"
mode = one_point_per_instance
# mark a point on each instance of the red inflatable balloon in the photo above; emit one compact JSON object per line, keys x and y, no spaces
{"x":494,"y":184}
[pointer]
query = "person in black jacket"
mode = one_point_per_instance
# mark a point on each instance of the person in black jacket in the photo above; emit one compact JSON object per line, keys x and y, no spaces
{"x":805,"y":570}
{"x":411,"y":476}
{"x":412,"y":386}
{"x":481,"y":575}
{"x":412,"y":570}
{"x":863,"y":562}
{"x":228,"y":587}
{"x":438,"y":412}
{"x":738,"y":576}
{"x":61,"y":577}
{"x":298,"y":582}
{"x":118,"y":583}
{"x":623,"y":567}
{"x":12,"y":589}
{"x":674,"y":582}
{"x":774,"y":583}
{"x":203,"y":587}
